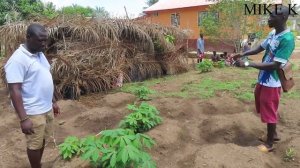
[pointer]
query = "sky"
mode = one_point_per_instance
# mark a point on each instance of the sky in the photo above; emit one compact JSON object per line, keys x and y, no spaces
{"x":114,"y":7}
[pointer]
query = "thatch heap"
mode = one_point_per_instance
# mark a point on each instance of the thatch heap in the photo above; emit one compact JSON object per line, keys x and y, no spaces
{"x":88,"y":55}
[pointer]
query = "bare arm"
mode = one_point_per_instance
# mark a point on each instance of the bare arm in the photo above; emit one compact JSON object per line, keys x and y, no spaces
{"x":253,"y":51}
{"x":15,"y":90}
{"x":250,"y":52}
{"x":265,"y":66}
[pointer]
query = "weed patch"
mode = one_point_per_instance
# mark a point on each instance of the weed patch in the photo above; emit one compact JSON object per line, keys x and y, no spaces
{"x":289,"y":155}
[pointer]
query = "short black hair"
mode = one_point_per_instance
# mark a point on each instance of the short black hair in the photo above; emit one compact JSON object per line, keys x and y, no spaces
{"x":283,"y":10}
{"x":34,"y":28}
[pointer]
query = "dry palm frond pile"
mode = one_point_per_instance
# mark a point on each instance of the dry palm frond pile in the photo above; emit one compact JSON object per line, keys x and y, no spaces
{"x":89,"y":55}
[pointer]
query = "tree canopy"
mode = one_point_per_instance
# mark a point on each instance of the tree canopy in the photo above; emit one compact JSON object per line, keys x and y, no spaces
{"x":16,"y":10}
{"x":231,"y":24}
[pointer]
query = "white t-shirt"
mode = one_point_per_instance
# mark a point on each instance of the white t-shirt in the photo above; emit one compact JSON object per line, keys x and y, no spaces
{"x":33,"y":71}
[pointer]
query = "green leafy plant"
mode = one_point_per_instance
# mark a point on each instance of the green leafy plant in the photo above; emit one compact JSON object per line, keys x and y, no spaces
{"x":205,"y":66}
{"x":142,"y":119}
{"x":290,"y":154}
{"x":142,"y":92}
{"x":170,"y":38}
{"x":219,"y":64}
{"x":119,"y":148}
{"x":70,"y":147}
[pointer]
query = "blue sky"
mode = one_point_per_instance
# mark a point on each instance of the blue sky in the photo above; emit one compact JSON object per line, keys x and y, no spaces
{"x":115,"y":7}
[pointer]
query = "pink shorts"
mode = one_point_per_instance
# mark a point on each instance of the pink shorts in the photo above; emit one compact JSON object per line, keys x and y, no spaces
{"x":200,"y":56}
{"x":267,"y":102}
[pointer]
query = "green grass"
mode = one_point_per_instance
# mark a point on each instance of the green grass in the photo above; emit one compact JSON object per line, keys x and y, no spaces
{"x":297,"y":44}
{"x":294,"y":94}
{"x":173,"y":94}
{"x":245,"y":96}
{"x":295,"y":67}
{"x":131,"y":87}
{"x":207,"y":88}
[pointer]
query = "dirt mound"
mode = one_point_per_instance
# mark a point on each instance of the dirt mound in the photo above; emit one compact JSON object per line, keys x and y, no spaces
{"x":213,"y":156}
{"x":98,"y":119}
{"x":76,"y":162}
{"x":232,"y":129}
{"x":166,"y":134}
{"x":118,"y":99}
{"x":69,"y":108}
{"x":178,"y":108}
{"x":228,"y":105}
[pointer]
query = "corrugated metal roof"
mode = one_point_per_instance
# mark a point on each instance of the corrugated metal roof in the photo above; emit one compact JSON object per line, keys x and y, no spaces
{"x":175,"y":4}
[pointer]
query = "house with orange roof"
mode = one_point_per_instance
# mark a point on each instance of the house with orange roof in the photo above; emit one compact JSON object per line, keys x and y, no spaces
{"x":187,"y":15}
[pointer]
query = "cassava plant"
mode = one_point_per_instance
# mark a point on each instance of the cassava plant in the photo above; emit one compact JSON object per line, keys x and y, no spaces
{"x":205,"y":66}
{"x":142,"y":119}
{"x":111,"y":149}
{"x":118,"y":148}
{"x":219,"y":64}
{"x":143,"y":92}
{"x":72,"y":146}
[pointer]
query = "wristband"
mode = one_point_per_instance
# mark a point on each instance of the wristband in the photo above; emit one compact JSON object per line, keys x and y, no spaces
{"x":24,"y":119}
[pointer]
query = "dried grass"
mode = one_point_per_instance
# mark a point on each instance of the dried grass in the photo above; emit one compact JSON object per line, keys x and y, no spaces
{"x":88,"y":55}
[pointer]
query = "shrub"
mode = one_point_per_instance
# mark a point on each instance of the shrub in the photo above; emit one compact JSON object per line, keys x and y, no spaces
{"x":170,"y":38}
{"x":71,"y":147}
{"x":290,"y":154}
{"x":220,"y":64}
{"x":205,"y":66}
{"x":143,"y":92}
{"x":142,"y":119}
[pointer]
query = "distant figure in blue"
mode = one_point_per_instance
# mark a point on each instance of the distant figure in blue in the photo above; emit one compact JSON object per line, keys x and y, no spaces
{"x":200,"y":48}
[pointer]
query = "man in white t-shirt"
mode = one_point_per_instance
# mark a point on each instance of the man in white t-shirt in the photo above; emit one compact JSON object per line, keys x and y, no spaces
{"x":31,"y":90}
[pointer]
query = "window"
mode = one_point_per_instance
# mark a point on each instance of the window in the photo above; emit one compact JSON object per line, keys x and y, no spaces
{"x":202,"y":15}
{"x":175,"y":19}
{"x":155,"y":14}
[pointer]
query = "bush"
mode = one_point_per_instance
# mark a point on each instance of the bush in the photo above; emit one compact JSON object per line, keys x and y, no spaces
{"x":219,"y":64}
{"x":71,"y":147}
{"x":143,"y":92}
{"x":142,"y":119}
{"x":205,"y":66}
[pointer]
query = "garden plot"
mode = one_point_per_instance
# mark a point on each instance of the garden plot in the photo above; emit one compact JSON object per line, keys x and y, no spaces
{"x":208,"y":120}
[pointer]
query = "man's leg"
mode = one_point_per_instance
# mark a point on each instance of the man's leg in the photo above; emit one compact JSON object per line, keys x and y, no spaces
{"x":35,"y":142}
{"x":271,"y":128}
{"x":42,"y":149}
{"x":34,"y":157}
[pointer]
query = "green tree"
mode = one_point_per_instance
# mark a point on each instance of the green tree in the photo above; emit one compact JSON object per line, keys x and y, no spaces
{"x":232,"y":24}
{"x":100,"y":12}
{"x":49,"y":10}
{"x":14,"y":10}
{"x":77,"y":10}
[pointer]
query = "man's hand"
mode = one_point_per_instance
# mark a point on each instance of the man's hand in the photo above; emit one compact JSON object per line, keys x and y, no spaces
{"x":56,"y":109}
{"x":236,"y":56}
{"x":240,"y":63}
{"x":26,"y":127}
